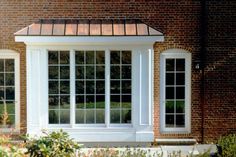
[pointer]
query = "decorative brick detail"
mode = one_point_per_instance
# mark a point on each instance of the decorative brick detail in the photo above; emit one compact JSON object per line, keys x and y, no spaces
{"x":179,"y":21}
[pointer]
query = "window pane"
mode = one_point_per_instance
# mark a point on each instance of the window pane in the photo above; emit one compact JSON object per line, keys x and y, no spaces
{"x":170,"y":93}
{"x":180,"y":121}
{"x":100,"y":72}
{"x":100,"y":116}
{"x":65,"y":116}
{"x":79,"y":57}
{"x":79,"y":72}
{"x":10,"y":93}
{"x":170,"y":106}
{"x":180,"y":78}
{"x":53,"y":117}
{"x":10,"y":79}
{"x":2,"y":93}
{"x":79,"y":87}
{"x":10,"y":107}
{"x":170,"y":79}
{"x":53,"y":72}
{"x":65,"y":87}
{"x":180,"y":93}
{"x":53,"y":102}
{"x":126,"y":116}
{"x":65,"y":72}
{"x":1,"y":79}
{"x":80,"y":101}
{"x":90,"y":57}
{"x":80,"y":116}
{"x":1,"y":65}
{"x":126,"y":101}
{"x":100,"y":57}
{"x":170,"y":64}
{"x":115,"y":87}
{"x":115,"y":57}
{"x":64,"y":57}
{"x":52,"y":57}
{"x":180,"y":107}
{"x":65,"y":102}
{"x":90,"y":87}
{"x":100,"y":87}
{"x":53,"y":87}
{"x":90,"y":72}
{"x":126,"y":72}
{"x":100,"y":101}
{"x":115,"y":101}
{"x":126,"y":57}
{"x":169,"y":120}
{"x":1,"y":108}
{"x":90,"y":116}
{"x":115,"y":72}
{"x":90,"y":101}
{"x":126,"y":87}
{"x":115,"y":116}
{"x":9,"y":65}
{"x":180,"y":64}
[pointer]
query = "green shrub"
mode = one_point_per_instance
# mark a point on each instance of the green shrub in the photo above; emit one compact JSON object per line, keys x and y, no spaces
{"x":228,"y":145}
{"x":55,"y":144}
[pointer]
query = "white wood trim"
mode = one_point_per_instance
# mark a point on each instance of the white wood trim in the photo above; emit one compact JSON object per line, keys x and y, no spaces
{"x":176,"y":53}
{"x":89,"y":40}
{"x":10,"y":54}
{"x":107,"y":88}
{"x":72,"y":89}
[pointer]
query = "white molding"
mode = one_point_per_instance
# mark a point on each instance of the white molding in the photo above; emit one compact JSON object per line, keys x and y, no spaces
{"x":11,"y":54}
{"x":176,"y":53}
{"x":89,"y":40}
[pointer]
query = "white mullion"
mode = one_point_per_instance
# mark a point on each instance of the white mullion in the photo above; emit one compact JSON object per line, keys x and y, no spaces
{"x":120,"y":86}
{"x":175,"y":92}
{"x":107,"y":88}
{"x":95,"y":86}
{"x":59,"y":86}
{"x":72,"y":88}
{"x":85,"y":94}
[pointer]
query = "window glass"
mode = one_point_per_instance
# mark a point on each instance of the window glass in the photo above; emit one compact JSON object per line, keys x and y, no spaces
{"x":7,"y":93}
{"x":120,"y":87}
{"x":59,"y":87}
{"x":90,"y":82}
{"x":175,"y":93}
{"x":90,"y":87}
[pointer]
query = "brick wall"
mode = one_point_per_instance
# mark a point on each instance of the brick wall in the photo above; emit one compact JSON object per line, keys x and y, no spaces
{"x":178,"y":20}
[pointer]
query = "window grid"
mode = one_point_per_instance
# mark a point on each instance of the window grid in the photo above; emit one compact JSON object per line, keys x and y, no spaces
{"x":85,"y":93}
{"x":121,"y":109}
{"x":174,"y":114}
{"x":8,"y":100}
{"x":58,"y":114}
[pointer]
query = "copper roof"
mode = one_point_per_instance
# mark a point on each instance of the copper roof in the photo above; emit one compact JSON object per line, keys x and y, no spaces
{"x":86,"y":27}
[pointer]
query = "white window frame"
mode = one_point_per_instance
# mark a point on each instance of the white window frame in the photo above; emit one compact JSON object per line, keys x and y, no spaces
{"x":107,"y":123}
{"x":175,"y":54}
{"x":10,"y":54}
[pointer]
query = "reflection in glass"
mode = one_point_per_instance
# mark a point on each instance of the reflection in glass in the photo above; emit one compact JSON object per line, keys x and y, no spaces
{"x":52,"y":57}
{"x":9,"y":77}
{"x":115,"y":116}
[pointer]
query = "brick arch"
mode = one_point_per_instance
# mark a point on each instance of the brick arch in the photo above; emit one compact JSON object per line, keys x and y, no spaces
{"x":161,"y":48}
